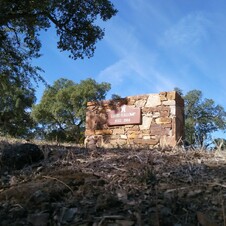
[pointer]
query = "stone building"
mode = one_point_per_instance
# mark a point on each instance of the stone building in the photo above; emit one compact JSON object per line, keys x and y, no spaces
{"x":151,"y":120}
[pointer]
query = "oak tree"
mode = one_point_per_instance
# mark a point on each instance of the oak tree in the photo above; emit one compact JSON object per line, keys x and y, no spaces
{"x":61,"y":111}
{"x":202,"y":117}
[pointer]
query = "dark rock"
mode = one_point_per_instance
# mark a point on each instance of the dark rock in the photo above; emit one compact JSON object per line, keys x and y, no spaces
{"x":17,"y":157}
{"x":38,"y":219}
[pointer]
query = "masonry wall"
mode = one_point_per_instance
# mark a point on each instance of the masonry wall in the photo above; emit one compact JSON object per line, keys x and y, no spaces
{"x":161,"y":121}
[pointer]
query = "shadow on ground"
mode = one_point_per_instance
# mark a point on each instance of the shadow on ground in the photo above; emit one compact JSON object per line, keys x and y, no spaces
{"x":117,"y":187}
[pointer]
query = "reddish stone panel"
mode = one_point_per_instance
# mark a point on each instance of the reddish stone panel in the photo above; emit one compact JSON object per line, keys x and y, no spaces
{"x":168,"y":125}
{"x":164,"y":113}
{"x":159,"y":130}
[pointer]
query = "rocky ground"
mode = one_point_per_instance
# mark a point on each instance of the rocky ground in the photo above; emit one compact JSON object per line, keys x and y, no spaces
{"x":68,"y":185}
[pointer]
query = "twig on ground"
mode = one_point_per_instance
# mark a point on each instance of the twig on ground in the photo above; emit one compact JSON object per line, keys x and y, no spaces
{"x":54,"y":178}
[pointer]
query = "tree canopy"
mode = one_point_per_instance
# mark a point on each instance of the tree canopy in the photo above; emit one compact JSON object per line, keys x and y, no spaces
{"x":61,"y":111}
{"x":15,"y":102}
{"x":21,"y":21}
{"x":202,"y":117}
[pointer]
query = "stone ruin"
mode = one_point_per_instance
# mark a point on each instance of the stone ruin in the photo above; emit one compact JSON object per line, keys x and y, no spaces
{"x":143,"y":121}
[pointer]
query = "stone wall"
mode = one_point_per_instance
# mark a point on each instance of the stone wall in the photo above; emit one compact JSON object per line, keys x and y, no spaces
{"x":156,"y":120}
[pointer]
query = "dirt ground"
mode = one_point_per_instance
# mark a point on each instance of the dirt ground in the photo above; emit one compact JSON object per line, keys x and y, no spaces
{"x":116,"y":187}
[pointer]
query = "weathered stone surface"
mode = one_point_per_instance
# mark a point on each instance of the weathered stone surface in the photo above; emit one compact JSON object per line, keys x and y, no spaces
{"x":123,"y":136}
{"x":168,"y":141}
{"x":159,"y":130}
{"x":161,"y":116}
{"x":134,"y":129}
{"x":171,"y":95}
{"x":146,"y":122}
{"x":146,"y":137}
{"x":163,"y":96}
{"x":118,"y":131}
{"x":133,"y":134}
{"x":89,"y":132}
{"x":153,"y":100}
{"x":140,"y":103}
{"x":91,"y":103}
{"x":103,"y":132}
{"x":146,"y":110}
{"x":146,"y":142}
{"x":173,"y":110}
{"x":156,"y":115}
{"x":164,"y":113}
{"x":163,"y":120}
{"x":169,"y":102}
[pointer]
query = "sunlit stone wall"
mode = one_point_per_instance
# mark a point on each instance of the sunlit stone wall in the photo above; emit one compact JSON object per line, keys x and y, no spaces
{"x":151,"y":120}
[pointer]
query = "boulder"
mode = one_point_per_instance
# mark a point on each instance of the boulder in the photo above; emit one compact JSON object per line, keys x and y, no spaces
{"x":19,"y":156}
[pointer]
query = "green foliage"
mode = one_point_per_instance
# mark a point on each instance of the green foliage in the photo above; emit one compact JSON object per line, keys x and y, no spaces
{"x":61,"y":112}
{"x":202,"y":117}
{"x":179,"y":91}
{"x":21,"y":23}
{"x":15,"y":103}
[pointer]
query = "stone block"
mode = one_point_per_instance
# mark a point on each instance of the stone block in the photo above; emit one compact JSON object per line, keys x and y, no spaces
{"x":164,"y":113}
{"x":135,"y":128}
{"x":167,"y":125}
{"x":118,"y":131}
{"x":146,"y":142}
{"x":171,"y":95}
{"x":153,"y":100}
{"x":163,"y":120}
{"x":140,"y":103}
{"x":173,"y":110}
{"x":146,"y":122}
{"x":133,"y":134}
{"x":89,"y":132}
{"x":169,"y":102}
{"x":156,"y":115}
{"x":168,"y":141}
{"x":163,"y":96}
{"x":159,"y":130}
{"x":146,"y":137}
{"x":124,"y":137}
{"x":103,"y":132}
{"x":91,"y":103}
{"x":131,"y":101}
{"x":146,"y":110}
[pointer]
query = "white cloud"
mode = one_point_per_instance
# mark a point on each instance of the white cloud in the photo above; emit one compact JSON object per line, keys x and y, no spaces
{"x":136,"y":66}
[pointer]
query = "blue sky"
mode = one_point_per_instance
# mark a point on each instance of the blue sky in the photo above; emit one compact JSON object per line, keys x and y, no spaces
{"x":151,"y":46}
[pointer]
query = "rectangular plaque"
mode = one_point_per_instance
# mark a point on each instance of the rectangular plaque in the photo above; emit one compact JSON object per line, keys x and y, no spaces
{"x":125,"y":115}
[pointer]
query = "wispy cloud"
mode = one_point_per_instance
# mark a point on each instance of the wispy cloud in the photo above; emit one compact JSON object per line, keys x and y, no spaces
{"x":156,"y":50}
{"x":136,"y":61}
{"x":190,"y":31}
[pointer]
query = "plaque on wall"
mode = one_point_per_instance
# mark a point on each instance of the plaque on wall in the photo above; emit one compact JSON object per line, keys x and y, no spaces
{"x":125,"y":115}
